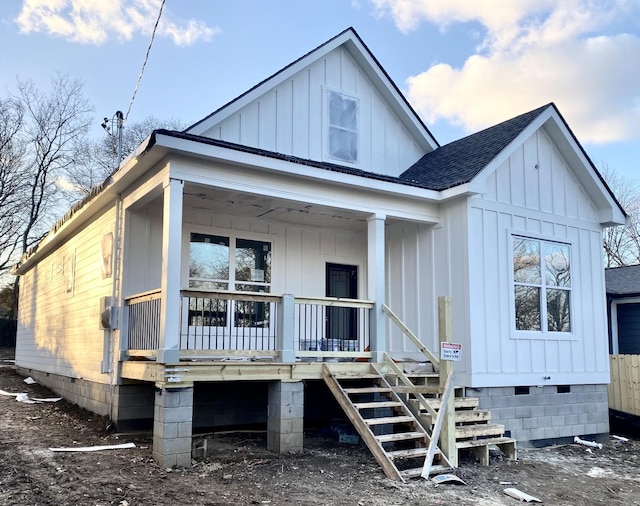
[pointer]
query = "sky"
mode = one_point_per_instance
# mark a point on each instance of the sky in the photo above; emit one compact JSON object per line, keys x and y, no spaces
{"x":464,"y":65}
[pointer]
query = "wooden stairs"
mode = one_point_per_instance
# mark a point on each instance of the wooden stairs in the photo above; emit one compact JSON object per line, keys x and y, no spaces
{"x":397,"y":440}
{"x":474,"y":429}
{"x":387,"y":408}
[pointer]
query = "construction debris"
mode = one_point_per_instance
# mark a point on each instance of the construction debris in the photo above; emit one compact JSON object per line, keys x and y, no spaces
{"x":520,"y":495}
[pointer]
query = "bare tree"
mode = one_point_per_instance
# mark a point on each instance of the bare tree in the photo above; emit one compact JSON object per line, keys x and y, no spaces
{"x":622,"y":243}
{"x":100,"y":157}
{"x":41,"y":137}
{"x":13,"y":178}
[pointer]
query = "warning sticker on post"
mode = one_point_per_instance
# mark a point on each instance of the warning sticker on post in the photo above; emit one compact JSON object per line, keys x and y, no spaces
{"x":450,"y":351}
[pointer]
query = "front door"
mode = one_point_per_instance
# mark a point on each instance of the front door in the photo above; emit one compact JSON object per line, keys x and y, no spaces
{"x":342,"y":322}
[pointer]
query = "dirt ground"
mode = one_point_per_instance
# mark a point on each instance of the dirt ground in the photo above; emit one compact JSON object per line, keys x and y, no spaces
{"x":240,"y":471}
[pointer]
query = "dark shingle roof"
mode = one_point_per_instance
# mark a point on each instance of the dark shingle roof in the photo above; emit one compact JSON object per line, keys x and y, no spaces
{"x":459,"y":162}
{"x":280,"y":156}
{"x":623,"y":280}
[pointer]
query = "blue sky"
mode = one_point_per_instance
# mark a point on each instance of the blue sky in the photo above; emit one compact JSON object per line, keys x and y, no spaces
{"x":463,"y":64}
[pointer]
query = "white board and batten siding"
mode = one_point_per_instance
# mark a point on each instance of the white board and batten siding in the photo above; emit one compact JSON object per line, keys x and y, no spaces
{"x":58,"y":329}
{"x":425,"y":262}
{"x":291,"y":118}
{"x":535,"y":194}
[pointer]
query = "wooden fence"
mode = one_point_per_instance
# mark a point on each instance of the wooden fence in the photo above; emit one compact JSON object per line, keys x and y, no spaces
{"x":624,"y":388}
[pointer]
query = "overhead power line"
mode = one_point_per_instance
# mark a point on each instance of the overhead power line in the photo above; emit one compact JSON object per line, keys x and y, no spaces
{"x":146,"y":58}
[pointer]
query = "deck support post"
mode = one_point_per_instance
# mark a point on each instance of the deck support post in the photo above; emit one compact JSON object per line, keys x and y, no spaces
{"x":285,"y":417}
{"x":376,"y":285}
{"x":169,"y":345}
{"x":172,"y":426}
{"x":286,"y":323}
{"x":445,"y":333}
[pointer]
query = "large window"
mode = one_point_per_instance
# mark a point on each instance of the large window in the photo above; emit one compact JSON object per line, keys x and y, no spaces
{"x":343,"y":127}
{"x":542,"y":285}
{"x":224,"y":263}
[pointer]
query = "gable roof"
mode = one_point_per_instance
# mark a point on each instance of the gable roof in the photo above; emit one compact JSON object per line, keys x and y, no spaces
{"x":623,"y":281}
{"x":460,"y":161}
{"x":352,"y":42}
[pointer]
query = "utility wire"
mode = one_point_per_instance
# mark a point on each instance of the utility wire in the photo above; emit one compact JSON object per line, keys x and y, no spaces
{"x":144,"y":64}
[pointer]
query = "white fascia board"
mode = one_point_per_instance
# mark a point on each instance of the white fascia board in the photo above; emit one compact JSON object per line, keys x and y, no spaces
{"x":508,"y":150}
{"x":238,"y":157}
{"x":610,"y":212}
{"x":391,"y":94}
{"x":464,"y":190}
{"x":118,"y":181}
{"x":278,"y":186}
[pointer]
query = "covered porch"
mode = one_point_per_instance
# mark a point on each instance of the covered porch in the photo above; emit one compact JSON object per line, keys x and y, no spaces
{"x":252,"y":277}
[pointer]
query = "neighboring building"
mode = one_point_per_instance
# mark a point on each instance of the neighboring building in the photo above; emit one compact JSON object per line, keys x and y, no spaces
{"x":623,"y":305}
{"x":213,"y":248}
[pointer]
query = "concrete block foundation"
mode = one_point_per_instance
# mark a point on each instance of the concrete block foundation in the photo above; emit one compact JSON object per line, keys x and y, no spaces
{"x":285,"y":417}
{"x":172,"y":427}
{"x":539,"y":415}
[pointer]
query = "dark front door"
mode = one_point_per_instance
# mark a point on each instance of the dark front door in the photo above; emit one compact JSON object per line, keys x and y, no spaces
{"x":342,"y":282}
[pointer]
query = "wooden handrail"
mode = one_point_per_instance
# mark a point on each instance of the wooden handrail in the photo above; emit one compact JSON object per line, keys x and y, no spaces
{"x":335,"y":301}
{"x":412,"y":337}
{"x":143,"y":297}
{"x":227,"y":295}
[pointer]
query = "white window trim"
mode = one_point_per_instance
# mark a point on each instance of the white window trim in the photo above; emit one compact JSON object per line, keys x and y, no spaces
{"x":615,"y":343}
{"x":232,"y":235}
{"x":325,"y":128}
{"x":543,"y":334}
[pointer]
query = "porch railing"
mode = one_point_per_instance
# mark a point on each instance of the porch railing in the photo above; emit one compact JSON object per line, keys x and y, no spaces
{"x":327,"y":327}
{"x":222,"y":324}
{"x":228,"y":321}
{"x":143,"y":320}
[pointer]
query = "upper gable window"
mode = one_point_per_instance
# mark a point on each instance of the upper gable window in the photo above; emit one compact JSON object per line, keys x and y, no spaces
{"x":343,"y":127}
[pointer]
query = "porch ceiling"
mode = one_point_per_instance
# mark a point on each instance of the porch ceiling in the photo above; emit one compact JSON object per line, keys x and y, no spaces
{"x":248,"y":205}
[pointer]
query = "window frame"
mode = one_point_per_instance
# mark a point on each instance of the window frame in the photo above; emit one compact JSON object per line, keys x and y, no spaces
{"x":544,"y":332}
{"x":328,"y":127}
{"x":232,"y":236}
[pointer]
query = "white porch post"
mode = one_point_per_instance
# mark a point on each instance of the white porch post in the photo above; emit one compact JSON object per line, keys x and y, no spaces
{"x":169,"y":345}
{"x":376,"y":275}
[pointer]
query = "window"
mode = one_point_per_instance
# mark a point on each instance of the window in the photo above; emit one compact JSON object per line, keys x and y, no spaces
{"x":542,"y":285}
{"x":222,"y":263}
{"x":343,"y":127}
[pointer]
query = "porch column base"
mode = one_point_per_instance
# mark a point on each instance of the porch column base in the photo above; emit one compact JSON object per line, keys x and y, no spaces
{"x":172,"y":427}
{"x":168,"y":355}
{"x":285,"y":417}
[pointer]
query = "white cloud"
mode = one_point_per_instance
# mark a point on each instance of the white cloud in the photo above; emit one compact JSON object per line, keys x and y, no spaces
{"x":533,"y":52}
{"x":95,"y":22}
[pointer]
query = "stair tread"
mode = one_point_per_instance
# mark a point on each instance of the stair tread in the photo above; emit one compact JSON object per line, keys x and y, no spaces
{"x":486,"y":441}
{"x":459,"y":402}
{"x":366,"y":390}
{"x":417,"y":389}
{"x":411,"y":452}
{"x":379,"y":404}
{"x":389,"y":419}
{"x":356,"y":376}
{"x":466,"y":416}
{"x":400,"y":436}
{"x":479,"y":429}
